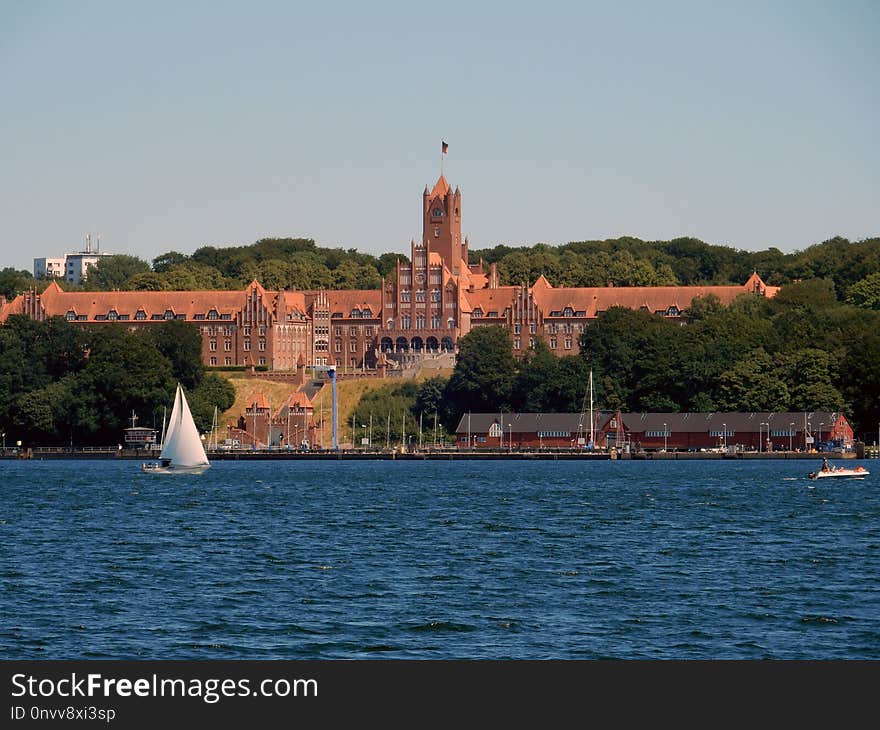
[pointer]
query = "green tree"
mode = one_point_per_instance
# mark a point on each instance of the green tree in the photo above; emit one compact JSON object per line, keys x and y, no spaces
{"x":125,"y":373}
{"x":113,"y":272}
{"x":13,"y":283}
{"x":167,"y":261}
{"x":181,"y":343}
{"x":429,"y":397}
{"x":213,"y":391}
{"x":148,"y":281}
{"x":866,"y":292}
{"x":483,"y":374}
{"x":753,"y":385}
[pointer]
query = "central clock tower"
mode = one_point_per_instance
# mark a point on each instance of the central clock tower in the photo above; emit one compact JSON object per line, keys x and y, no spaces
{"x":441,"y":224}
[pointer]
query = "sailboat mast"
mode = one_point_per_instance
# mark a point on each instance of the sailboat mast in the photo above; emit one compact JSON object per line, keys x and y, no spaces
{"x":164,"y":415}
{"x":592,"y":441}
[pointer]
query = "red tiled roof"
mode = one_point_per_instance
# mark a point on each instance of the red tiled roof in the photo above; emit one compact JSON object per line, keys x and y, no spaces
{"x":344,"y":301}
{"x":655,"y":298}
{"x":491,"y":299}
{"x":295,"y":401}
{"x":257,"y":399}
{"x":441,"y":187}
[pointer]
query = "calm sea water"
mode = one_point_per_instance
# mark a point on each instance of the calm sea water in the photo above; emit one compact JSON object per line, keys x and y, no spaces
{"x":438,"y":560}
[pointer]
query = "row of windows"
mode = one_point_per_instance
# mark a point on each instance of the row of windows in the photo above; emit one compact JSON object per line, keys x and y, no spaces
{"x":225,"y":331}
{"x":658,"y":434}
{"x":568,"y":312}
{"x":353,"y":331}
{"x":140,"y":316}
{"x":566,"y":328}
{"x":533,"y":328}
{"x":228,"y":361}
{"x":721,"y":433}
{"x":406,"y":295}
{"x":554,"y":434}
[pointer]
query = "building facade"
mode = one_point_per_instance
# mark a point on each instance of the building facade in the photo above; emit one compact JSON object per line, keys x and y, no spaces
{"x":71,"y":267}
{"x":796,"y":431}
{"x":426,"y":307}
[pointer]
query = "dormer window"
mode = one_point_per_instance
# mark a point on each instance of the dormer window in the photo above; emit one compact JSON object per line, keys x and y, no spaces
{"x":112,"y":315}
{"x":213,"y":314}
{"x":355,"y":313}
{"x":477,"y":312}
{"x":367,"y":313}
{"x":672,"y":311}
{"x":169,"y":314}
{"x":568,"y":312}
{"x":71,"y":315}
{"x":140,"y":315}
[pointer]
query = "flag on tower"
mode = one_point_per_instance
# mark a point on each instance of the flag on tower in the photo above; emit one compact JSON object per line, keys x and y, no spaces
{"x":445,"y":146}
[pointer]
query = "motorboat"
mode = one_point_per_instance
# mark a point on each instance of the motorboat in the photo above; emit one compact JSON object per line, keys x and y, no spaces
{"x":831,"y":472}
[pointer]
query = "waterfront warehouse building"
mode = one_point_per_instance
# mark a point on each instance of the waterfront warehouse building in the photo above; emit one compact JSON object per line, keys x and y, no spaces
{"x":797,"y":431}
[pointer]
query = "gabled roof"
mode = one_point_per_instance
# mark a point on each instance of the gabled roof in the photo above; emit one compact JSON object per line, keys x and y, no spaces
{"x":655,"y":298}
{"x":13,"y":306}
{"x":572,"y":423}
{"x":731,"y":422}
{"x":295,"y":401}
{"x":496,"y":300}
{"x":257,"y":399}
{"x":343,"y":301}
{"x":441,"y":187}
{"x":641,"y":422}
{"x":542,"y":283}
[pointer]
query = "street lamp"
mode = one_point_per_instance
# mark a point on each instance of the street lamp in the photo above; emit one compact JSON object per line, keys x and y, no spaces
{"x":761,"y":436}
{"x":510,"y":438}
{"x":665,"y":441}
{"x":724,"y":426}
{"x":790,"y":436}
{"x":366,"y":441}
{"x":820,"y":435}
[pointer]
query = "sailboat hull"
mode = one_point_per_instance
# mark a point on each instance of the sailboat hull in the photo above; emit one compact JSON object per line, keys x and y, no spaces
{"x":201,"y":468}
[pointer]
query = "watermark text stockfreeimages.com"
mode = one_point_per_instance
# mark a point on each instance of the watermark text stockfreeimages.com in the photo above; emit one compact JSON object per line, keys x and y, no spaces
{"x":209,"y":690}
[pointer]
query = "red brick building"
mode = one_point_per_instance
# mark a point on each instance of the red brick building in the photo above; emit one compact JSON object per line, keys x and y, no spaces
{"x":426,"y":307}
{"x":800,"y":431}
{"x":290,"y":425}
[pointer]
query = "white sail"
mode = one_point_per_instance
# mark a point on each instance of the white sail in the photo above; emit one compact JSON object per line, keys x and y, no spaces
{"x":183,"y":447}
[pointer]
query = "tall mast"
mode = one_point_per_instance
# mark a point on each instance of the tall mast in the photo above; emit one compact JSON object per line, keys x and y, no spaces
{"x":591,"y":409}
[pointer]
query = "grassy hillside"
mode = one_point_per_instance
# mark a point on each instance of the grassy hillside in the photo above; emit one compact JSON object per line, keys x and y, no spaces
{"x":349,"y":394}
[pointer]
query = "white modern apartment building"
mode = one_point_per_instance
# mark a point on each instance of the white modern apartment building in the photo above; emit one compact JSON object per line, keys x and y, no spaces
{"x":72,"y":266}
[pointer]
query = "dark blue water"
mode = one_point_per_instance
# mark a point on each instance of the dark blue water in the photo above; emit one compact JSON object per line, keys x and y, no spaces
{"x":438,"y":560}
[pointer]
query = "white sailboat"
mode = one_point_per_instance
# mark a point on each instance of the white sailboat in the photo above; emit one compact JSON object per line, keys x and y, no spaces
{"x":182,"y":448}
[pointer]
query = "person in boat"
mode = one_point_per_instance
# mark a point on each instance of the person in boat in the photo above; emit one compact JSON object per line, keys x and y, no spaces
{"x":825,"y":465}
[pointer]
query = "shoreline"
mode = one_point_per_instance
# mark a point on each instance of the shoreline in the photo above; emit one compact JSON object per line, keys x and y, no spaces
{"x":359,"y":455}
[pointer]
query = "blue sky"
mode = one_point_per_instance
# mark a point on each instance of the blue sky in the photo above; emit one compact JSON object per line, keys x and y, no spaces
{"x":174,"y":125}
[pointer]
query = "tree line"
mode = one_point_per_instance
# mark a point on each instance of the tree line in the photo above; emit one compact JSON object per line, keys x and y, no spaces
{"x":298,"y":263}
{"x":62,"y":385}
